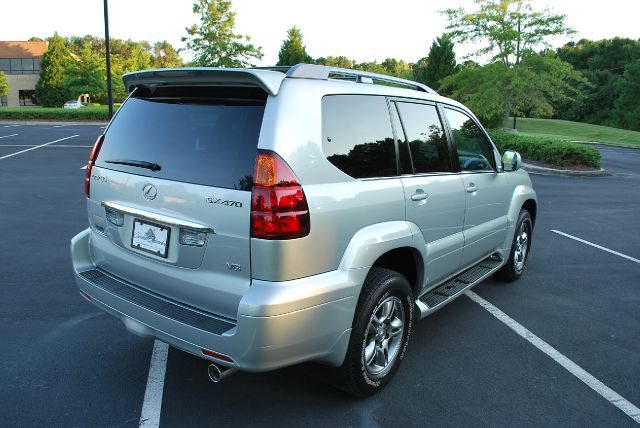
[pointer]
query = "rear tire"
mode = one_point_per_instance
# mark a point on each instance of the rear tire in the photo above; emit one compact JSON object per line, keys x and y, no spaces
{"x":380,"y":335}
{"x":520,"y":246}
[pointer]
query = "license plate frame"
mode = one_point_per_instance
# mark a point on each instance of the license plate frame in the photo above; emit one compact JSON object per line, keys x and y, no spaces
{"x":149,"y":243}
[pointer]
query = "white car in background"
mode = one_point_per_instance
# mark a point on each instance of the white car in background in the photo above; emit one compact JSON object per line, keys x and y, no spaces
{"x":73,"y":104}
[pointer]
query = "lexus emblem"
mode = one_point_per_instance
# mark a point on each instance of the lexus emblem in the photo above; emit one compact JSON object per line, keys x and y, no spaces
{"x":149,"y":192}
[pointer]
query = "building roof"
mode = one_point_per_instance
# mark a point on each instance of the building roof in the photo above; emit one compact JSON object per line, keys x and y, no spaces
{"x":23,"y":49}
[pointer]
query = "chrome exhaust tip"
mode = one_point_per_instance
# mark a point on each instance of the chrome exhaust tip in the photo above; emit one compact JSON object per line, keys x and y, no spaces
{"x":217,"y":373}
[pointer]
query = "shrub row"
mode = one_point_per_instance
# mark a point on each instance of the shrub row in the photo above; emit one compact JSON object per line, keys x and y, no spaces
{"x":87,"y":113}
{"x":548,"y":150}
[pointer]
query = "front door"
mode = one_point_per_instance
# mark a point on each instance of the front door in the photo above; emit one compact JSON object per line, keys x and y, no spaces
{"x":486,"y":189}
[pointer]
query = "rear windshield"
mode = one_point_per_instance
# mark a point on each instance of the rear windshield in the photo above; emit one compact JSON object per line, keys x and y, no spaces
{"x":201,"y":135}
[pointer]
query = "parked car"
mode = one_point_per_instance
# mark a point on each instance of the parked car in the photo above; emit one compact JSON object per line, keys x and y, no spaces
{"x":73,"y":104}
{"x":258,"y":219}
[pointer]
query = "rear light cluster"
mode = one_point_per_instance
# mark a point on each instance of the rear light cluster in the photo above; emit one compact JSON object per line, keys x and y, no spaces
{"x":279,"y":207}
{"x":92,"y":160}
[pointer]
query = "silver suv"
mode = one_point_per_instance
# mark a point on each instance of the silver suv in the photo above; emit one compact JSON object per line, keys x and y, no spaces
{"x":258,"y":218}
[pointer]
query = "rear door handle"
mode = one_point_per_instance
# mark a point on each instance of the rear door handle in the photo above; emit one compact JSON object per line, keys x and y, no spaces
{"x":419,"y":196}
{"x":472,"y":188}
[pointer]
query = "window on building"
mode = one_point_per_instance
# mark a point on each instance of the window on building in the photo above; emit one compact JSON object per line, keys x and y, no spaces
{"x":357,"y":137}
{"x":27,"y":98}
{"x":20,"y":65}
{"x":3,"y":102}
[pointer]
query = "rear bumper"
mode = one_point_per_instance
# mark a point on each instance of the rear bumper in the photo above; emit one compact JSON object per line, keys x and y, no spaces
{"x":278,"y":324}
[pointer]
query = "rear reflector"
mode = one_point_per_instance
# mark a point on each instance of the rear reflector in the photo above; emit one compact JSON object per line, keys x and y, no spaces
{"x":279,"y":208}
{"x":92,"y":160}
{"x":216,"y":355}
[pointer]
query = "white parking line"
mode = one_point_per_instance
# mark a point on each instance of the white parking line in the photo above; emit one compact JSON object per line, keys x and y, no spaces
{"x":607,"y":393}
{"x":36,"y":147}
{"x":10,"y":126}
{"x":152,"y":405}
{"x":7,"y":136}
{"x":624,"y":256}
{"x":59,"y":126}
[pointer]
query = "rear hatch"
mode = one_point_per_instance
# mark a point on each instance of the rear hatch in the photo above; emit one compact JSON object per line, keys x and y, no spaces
{"x":170,"y":193}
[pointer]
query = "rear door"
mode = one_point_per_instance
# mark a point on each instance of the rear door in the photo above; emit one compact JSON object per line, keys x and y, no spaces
{"x":434,"y":193}
{"x":170,"y":193}
{"x":487,"y":191}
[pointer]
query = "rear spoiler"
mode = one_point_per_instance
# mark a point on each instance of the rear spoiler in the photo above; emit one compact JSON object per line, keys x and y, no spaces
{"x":268,"y":80}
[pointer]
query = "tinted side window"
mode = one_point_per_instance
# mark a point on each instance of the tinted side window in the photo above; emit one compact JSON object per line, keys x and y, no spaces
{"x":357,"y":136}
{"x":474,"y":150}
{"x":427,"y":142}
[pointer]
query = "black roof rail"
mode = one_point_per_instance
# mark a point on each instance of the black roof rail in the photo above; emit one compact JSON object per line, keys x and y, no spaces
{"x":323,"y":72}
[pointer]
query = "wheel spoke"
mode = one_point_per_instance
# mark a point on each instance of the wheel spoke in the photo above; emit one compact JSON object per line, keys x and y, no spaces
{"x":370,"y":352}
{"x":387,"y":310}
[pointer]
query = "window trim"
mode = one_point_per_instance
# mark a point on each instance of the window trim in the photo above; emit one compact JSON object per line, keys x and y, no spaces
{"x":471,"y":116}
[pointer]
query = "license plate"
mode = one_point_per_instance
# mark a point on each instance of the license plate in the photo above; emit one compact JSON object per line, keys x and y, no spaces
{"x":150,"y":237}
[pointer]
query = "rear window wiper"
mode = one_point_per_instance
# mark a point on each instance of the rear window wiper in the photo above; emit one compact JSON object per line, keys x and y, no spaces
{"x":140,"y":164}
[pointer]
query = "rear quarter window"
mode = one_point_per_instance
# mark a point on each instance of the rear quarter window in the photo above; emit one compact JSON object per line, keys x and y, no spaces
{"x":200,"y":135}
{"x":357,"y":137}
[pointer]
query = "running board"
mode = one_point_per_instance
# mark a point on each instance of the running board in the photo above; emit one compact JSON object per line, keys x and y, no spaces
{"x":449,"y":290}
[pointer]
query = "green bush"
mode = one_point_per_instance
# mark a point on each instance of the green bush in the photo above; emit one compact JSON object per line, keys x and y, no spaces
{"x":547,"y":149}
{"x":86,"y":113}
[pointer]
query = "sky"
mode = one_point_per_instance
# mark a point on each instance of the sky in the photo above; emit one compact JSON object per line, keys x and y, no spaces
{"x":361,"y":30}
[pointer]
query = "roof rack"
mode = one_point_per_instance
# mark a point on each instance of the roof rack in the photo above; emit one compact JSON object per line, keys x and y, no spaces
{"x":323,"y":72}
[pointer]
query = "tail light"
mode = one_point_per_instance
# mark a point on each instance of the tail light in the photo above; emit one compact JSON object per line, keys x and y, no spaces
{"x":279,"y":207}
{"x":92,"y":160}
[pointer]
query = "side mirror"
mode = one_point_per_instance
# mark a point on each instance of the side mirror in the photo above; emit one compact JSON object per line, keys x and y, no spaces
{"x":511,"y":161}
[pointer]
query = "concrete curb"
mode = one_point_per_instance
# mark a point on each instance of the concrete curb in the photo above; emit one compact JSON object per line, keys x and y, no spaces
{"x":52,"y":122}
{"x":542,"y":170}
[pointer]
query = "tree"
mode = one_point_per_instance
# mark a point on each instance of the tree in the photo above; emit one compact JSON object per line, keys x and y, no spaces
{"x":4,"y":85}
{"x":165,"y":56}
{"x":336,"y":61}
{"x":602,"y":63}
{"x":293,"y":51}
{"x":213,"y":41}
{"x":441,"y":61}
{"x":627,"y":107}
{"x":86,"y":75}
{"x":510,"y":30}
{"x":50,"y":90}
{"x":420,"y":70}
{"x":532,"y":85}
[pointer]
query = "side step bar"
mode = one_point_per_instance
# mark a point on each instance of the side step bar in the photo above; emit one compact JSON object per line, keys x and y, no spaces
{"x":446,"y":292}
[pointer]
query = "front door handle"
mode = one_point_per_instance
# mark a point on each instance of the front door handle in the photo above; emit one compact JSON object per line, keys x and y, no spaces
{"x":419,"y":196}
{"x":471,"y":188}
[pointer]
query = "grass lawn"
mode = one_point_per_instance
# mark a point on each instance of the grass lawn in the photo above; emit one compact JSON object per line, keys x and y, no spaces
{"x":576,"y":131}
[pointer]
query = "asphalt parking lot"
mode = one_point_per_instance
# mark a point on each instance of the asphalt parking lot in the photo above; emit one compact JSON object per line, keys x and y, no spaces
{"x":65,"y":363}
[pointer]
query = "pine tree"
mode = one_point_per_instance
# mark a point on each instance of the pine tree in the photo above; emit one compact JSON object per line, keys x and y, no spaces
{"x":213,"y":42}
{"x":293,"y":51}
{"x":50,"y":90}
{"x":441,"y":61}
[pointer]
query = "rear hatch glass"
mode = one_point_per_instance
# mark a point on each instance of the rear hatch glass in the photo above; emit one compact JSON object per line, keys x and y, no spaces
{"x":200,"y":135}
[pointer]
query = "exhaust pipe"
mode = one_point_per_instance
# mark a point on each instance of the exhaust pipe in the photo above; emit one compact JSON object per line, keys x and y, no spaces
{"x":217,"y":373}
